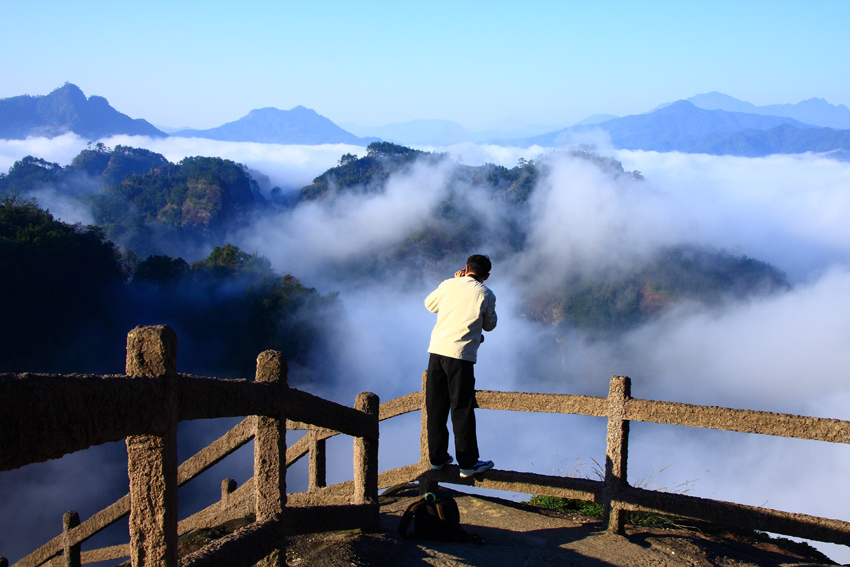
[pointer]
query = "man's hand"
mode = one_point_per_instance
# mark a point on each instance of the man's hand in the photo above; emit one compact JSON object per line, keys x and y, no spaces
{"x":460,"y":273}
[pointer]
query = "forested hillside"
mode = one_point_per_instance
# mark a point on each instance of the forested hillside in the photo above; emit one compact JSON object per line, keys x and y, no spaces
{"x":92,"y":170}
{"x":69,"y":296}
{"x":367,"y":173}
{"x":675,"y":274}
{"x":64,"y":284}
{"x":616,"y":301}
{"x":141,"y":200}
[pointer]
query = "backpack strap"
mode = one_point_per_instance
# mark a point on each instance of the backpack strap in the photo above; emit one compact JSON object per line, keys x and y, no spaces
{"x":440,"y":508}
{"x":458,"y":533}
{"x":408,"y":515}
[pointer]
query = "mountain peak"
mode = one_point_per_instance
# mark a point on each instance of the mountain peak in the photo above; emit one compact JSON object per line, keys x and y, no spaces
{"x":676,"y":107}
{"x":68,"y":92}
{"x":718,"y":101}
{"x":69,"y":88}
{"x":271,"y":125}
{"x":271,"y":111}
{"x":265,"y":111}
{"x":66,"y":109}
{"x":815,"y":102}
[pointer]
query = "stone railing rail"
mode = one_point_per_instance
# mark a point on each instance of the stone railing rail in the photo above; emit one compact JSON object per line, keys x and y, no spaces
{"x":614,"y":492}
{"x":48,"y":416}
{"x":73,"y":425}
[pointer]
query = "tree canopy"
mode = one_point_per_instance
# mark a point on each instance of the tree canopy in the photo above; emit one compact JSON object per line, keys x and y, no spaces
{"x":70,"y":275}
{"x":69,"y":296}
{"x":57,"y":279}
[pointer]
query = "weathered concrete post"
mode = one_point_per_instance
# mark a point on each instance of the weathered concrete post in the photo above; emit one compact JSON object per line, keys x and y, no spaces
{"x":424,"y":459}
{"x":72,"y":553}
{"x":152,"y":459}
{"x":425,"y":483}
{"x":228,"y":487}
{"x":616,"y":454}
{"x":270,"y":454}
{"x":366,"y":457}
{"x":318,"y":462}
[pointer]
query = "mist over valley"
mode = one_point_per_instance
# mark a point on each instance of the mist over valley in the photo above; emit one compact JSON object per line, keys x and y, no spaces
{"x":714,"y":280}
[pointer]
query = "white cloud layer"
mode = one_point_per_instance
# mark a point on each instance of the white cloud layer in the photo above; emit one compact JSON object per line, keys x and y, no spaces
{"x":286,"y":166}
{"x":789,"y":210}
{"x":303,"y":240}
{"x":789,"y":352}
{"x":585,"y":221}
{"x":60,"y":150}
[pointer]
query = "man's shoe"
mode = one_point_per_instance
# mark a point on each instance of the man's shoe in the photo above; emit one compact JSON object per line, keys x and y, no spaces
{"x":479,"y":467}
{"x":441,"y":465}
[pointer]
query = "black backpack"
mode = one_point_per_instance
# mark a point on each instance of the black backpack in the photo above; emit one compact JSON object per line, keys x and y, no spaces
{"x":435,"y":518}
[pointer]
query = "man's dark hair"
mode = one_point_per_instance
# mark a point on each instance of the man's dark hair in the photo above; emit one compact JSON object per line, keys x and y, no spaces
{"x":479,"y":264}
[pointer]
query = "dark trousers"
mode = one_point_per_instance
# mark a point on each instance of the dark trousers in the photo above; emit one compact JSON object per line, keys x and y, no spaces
{"x":450,"y":387}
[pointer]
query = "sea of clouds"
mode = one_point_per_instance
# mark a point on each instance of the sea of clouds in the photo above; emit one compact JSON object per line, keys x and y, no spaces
{"x":786,"y":352}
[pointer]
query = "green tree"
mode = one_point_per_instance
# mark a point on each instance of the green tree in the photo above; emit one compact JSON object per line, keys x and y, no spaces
{"x":346,"y":159}
{"x":161,"y":270}
{"x":28,"y":174}
{"x":58,"y":281}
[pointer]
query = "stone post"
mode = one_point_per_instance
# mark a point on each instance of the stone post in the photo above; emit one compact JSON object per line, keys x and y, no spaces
{"x":318,"y":462}
{"x":71,"y":552}
{"x":366,"y":456}
{"x":425,"y":483}
{"x":270,"y":454}
{"x":424,"y":458}
{"x":228,"y":487}
{"x":616,"y":454}
{"x":152,"y":458}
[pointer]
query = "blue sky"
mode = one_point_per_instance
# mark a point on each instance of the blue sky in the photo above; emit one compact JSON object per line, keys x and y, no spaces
{"x":481,"y":64}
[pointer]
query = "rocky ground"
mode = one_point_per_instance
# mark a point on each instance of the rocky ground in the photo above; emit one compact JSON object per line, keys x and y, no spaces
{"x":522,"y":535}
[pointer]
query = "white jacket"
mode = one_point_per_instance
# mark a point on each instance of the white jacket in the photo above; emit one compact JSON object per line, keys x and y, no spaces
{"x":464,"y":307}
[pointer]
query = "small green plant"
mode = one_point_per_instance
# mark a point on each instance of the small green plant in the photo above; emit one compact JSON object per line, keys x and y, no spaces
{"x":595,"y":510}
{"x":650,"y":520}
{"x":583,"y":507}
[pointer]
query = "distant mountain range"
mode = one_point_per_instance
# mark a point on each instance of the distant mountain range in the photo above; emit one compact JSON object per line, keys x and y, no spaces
{"x":814,"y":111}
{"x":681,"y":126}
{"x":712,"y":123}
{"x":274,"y":126}
{"x":67,"y":110}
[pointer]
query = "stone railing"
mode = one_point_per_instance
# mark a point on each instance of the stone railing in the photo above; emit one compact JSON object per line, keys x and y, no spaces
{"x":85,"y":410}
{"x":47,"y":416}
{"x":614,"y":492}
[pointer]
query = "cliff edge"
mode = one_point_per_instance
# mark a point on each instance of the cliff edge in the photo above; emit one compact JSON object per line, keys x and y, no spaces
{"x":521,"y":535}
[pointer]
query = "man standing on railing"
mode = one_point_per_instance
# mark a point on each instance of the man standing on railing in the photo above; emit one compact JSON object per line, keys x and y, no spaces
{"x":464,"y":307}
